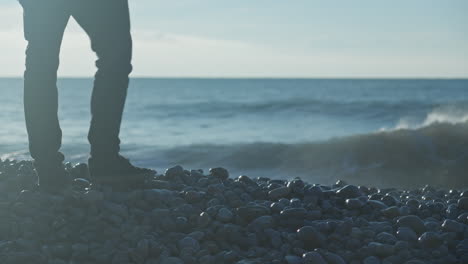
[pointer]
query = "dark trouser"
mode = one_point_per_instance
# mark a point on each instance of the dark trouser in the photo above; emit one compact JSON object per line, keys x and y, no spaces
{"x":107,"y":24}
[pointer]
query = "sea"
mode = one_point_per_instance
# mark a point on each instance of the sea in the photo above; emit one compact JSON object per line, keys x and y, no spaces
{"x":382,"y":132}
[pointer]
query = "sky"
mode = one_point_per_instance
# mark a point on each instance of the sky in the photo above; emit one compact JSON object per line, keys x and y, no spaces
{"x":272,"y":38}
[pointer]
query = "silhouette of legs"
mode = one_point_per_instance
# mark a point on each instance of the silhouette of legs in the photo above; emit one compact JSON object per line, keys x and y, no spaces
{"x":107,"y":23}
{"x":44,"y":25}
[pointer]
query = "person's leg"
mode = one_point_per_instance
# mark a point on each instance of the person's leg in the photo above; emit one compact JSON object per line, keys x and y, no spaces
{"x":44,"y":24}
{"x":107,"y":22}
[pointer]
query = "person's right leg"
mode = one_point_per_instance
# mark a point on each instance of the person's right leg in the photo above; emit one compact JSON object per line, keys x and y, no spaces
{"x":107,"y":23}
{"x":44,"y":25}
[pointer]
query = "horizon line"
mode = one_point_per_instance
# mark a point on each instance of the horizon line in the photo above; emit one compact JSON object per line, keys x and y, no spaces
{"x":274,"y":77}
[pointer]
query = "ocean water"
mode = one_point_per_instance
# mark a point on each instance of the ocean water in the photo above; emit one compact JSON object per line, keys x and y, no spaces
{"x":387,"y":132}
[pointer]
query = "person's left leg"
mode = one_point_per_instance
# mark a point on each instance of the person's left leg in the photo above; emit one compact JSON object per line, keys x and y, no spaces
{"x":107,"y":22}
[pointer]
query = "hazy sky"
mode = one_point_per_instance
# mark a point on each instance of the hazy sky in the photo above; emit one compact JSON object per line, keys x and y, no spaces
{"x":272,"y":38}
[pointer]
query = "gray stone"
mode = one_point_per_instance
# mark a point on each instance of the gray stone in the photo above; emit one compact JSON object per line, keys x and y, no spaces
{"x":262,"y":222}
{"x":224,"y":215}
{"x":354,"y":204}
{"x":171,"y":260}
{"x":430,"y":240}
{"x":452,"y":226}
{"x":413,"y":222}
{"x":175,"y":171}
{"x":406,"y":234}
{"x":313,"y":258}
{"x":220,"y":173}
{"x":333,"y":258}
{"x":251,"y":212}
{"x":278,"y":193}
{"x":189,"y":242}
{"x":377,"y":205}
{"x":391,"y":212}
{"x":381,"y":250}
{"x":311,"y":237}
{"x":385,"y":238}
{"x":293,"y":259}
{"x":463,"y":203}
{"x":371,"y":260}
{"x":349,"y":191}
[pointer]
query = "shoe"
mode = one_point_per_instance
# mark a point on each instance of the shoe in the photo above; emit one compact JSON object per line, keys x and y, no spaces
{"x":53,"y":180}
{"x":118,"y":172}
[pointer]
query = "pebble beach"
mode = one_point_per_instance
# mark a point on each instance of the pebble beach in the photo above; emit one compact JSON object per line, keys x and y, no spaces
{"x":193,"y":216}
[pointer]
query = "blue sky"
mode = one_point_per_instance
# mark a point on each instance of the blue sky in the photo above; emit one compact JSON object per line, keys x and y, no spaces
{"x":259,"y":38}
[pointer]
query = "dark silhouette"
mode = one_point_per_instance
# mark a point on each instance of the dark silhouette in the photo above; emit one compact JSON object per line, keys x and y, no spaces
{"x":107,"y":24}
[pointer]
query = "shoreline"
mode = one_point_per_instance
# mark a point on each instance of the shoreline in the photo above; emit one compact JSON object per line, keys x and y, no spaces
{"x":209,"y":217}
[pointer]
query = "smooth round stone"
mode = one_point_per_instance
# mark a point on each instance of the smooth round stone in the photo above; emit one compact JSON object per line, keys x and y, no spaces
{"x":81,"y":183}
{"x":464,"y":194}
{"x":404,"y":210}
{"x":430,"y":240}
{"x":381,"y":250}
{"x":296,"y":203}
{"x":415,"y":261}
{"x":452,"y":211}
{"x":340,"y":183}
{"x":296,"y":213}
{"x":406,"y":234}
{"x":413,"y":222}
{"x":224,"y":215}
{"x":310,"y":236}
{"x":262,"y":222}
{"x":391,"y":212}
{"x":171,"y":260}
{"x":371,"y":260}
{"x":204,"y":219}
{"x":245,"y":180}
{"x":278,"y":193}
{"x":252,"y":211}
{"x":412,"y":203}
{"x":349,"y":191}
{"x":354,"y":204}
{"x":389,"y":200}
{"x":293,"y":260}
{"x":333,"y":258}
{"x":463,"y":218}
{"x":452,"y":226}
{"x":377,"y":205}
{"x":463,"y":203}
{"x":189,"y":242}
{"x":385,"y":238}
{"x":220,"y":173}
{"x":174,"y":171}
{"x":313,"y":258}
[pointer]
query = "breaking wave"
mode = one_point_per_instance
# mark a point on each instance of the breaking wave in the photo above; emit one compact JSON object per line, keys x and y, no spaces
{"x":435,"y":154}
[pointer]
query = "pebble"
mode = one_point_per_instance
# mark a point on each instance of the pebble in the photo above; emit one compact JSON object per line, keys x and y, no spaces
{"x":354,"y":204}
{"x":189,"y":217}
{"x":406,"y":234}
{"x":430,"y":240}
{"x":371,"y":260}
{"x":313,"y":258}
{"x":463,"y":203}
{"x":349,"y":191}
{"x":278,"y":193}
{"x":311,"y":237}
{"x":452,"y":226}
{"x":220,"y":173}
{"x":224,"y":215}
{"x":413,"y":222}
